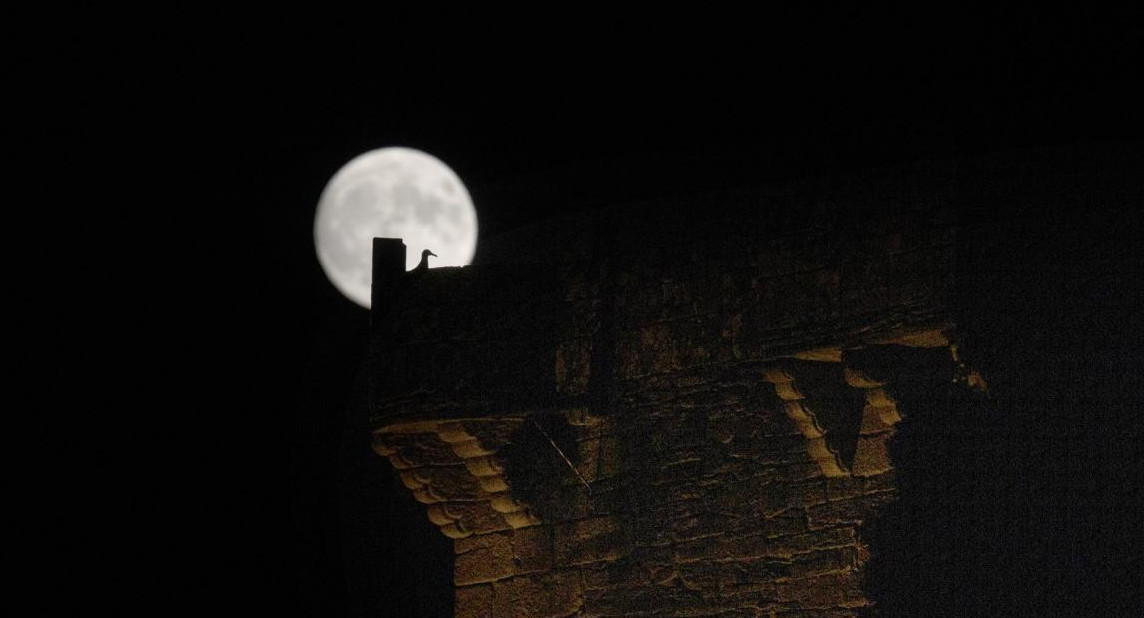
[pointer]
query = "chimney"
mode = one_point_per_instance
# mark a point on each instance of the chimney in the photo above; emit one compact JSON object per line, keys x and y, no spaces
{"x":388,"y":268}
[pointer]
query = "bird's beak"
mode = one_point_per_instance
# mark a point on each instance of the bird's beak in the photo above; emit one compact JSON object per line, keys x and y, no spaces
{"x":432,"y":254}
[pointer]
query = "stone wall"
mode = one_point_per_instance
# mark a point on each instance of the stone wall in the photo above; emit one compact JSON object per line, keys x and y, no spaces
{"x":675,"y":408}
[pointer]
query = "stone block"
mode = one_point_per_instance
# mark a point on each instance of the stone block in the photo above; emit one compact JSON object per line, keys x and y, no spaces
{"x":717,"y":576}
{"x":843,"y":487}
{"x":816,"y":613}
{"x":473,"y":601}
{"x":788,"y":546}
{"x":831,"y":591}
{"x":441,"y":483}
{"x":478,"y":517}
{"x":556,"y":594}
{"x":849,"y":512}
{"x":590,"y":540}
{"x":622,"y":574}
{"x":532,"y":549}
{"x":820,"y":561}
{"x":786,"y":524}
{"x":415,"y":450}
{"x":880,"y":483}
{"x":872,"y":456}
{"x":653,"y":601}
{"x":808,"y":493}
{"x":690,"y":526}
{"x":484,"y":558}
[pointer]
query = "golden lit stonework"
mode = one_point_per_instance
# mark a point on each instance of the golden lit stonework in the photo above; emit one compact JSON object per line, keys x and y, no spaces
{"x":699,"y":423}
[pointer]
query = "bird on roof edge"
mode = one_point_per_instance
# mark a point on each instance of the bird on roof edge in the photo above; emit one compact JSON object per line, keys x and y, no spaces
{"x":424,"y":265}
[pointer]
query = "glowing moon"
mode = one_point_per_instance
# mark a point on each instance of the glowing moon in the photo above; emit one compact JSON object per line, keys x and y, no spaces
{"x":392,"y":193}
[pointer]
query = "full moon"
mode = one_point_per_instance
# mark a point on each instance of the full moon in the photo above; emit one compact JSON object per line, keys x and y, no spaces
{"x":392,"y":193}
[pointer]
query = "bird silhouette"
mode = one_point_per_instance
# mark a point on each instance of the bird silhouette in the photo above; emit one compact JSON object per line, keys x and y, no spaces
{"x":424,"y":265}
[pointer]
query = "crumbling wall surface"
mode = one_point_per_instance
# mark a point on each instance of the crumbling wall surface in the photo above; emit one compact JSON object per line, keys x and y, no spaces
{"x":632,"y":412}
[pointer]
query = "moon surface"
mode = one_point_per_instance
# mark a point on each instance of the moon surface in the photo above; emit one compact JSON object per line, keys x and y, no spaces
{"x":392,"y":193}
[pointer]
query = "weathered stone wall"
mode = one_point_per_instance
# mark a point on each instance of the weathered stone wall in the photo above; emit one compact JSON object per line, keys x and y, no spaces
{"x":677,"y":409}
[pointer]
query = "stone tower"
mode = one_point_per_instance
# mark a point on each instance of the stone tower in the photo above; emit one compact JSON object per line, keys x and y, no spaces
{"x":625,"y":412}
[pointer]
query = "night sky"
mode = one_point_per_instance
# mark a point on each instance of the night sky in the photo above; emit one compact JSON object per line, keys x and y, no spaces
{"x":303,"y":517}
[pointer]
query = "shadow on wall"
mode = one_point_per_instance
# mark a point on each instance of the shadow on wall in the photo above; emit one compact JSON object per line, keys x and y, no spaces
{"x":1024,"y":503}
{"x":929,"y":548}
{"x":540,"y":461}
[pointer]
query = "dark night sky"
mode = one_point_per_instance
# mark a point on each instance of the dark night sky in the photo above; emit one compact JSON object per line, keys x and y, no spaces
{"x":551,"y":121}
